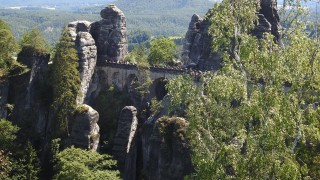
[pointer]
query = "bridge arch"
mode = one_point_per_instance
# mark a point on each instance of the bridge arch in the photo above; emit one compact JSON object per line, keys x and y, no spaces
{"x":131,"y":81}
{"x":158,"y":88}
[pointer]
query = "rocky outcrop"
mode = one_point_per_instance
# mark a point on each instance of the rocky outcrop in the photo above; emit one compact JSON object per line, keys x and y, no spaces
{"x":29,"y":93}
{"x":125,"y":143}
{"x":197,"y":50}
{"x":85,"y":129}
{"x":87,"y":52}
{"x":110,"y":35}
{"x":166,"y":150}
{"x":269,"y":14}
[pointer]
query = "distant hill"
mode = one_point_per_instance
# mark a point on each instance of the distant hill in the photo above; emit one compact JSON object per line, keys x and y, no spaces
{"x":158,"y":17}
{"x":58,"y":4}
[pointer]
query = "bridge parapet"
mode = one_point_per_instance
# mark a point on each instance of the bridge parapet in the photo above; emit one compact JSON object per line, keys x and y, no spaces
{"x":131,"y":66}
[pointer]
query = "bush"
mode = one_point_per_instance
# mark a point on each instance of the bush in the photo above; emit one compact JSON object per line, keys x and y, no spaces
{"x":74,"y":163}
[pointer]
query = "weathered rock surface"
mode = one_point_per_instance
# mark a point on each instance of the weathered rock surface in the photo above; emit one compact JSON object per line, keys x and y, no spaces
{"x":197,"y":50}
{"x":87,"y":52}
{"x":270,"y":12}
{"x":166,"y":151}
{"x":4,"y":87}
{"x":29,"y":93}
{"x":111,"y":35}
{"x":125,"y":142}
{"x":85,"y":129}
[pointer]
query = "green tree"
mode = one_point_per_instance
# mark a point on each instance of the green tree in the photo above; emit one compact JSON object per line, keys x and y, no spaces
{"x":66,"y":82}
{"x":257,"y":117}
{"x":26,"y":164}
{"x":7,"y":137}
{"x":5,"y":165}
{"x":162,"y":51}
{"x":138,"y":55}
{"x":8,"y":48}
{"x":74,"y":163}
{"x":8,"y":133}
{"x":33,"y":40}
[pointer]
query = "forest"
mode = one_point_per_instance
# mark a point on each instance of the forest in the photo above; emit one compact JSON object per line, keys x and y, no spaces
{"x":256,"y":117}
{"x":160,"y":18}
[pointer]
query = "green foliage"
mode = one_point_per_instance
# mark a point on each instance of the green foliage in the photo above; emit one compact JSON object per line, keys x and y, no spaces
{"x":162,"y":51}
{"x":8,"y":49}
{"x":172,"y":128}
{"x":138,"y":55}
{"x":26,"y":164}
{"x":66,"y":82}
{"x":34,"y":41}
{"x":82,"y":109}
{"x":7,"y":135}
{"x":80,"y":164}
{"x":156,"y":106}
{"x":21,"y":164}
{"x":257,"y":117}
{"x":137,"y":38}
{"x":5,"y":165}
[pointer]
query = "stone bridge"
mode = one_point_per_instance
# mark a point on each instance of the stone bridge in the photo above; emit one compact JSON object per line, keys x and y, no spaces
{"x":123,"y":74}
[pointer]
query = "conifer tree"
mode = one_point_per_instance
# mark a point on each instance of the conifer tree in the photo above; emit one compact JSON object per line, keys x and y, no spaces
{"x":8,"y":47}
{"x":66,"y":82}
{"x":33,"y":40}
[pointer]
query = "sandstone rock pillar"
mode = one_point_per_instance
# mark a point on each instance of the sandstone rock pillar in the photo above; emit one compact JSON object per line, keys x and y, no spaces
{"x":125,"y":142}
{"x":111,"y":35}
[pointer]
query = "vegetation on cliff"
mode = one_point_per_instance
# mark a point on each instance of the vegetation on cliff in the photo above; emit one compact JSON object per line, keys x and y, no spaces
{"x":257,"y":117}
{"x":8,"y":50}
{"x":74,"y":163}
{"x":65,"y":82}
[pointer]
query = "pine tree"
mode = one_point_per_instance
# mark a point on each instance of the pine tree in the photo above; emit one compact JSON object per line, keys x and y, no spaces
{"x":66,"y":82}
{"x":34,"y":41}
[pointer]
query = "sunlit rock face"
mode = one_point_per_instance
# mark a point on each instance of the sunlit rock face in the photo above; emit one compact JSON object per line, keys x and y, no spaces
{"x":110,"y":35}
{"x":125,"y":142}
{"x":85,"y":129}
{"x":197,"y":50}
{"x":87,"y":53}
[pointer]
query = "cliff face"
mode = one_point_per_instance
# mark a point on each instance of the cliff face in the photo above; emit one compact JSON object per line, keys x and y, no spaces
{"x":4,"y":87}
{"x":87,"y":53}
{"x":197,"y":51}
{"x":28,"y":93}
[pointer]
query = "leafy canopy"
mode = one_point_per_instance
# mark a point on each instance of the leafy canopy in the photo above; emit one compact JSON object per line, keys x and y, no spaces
{"x":66,"y":82}
{"x":33,"y":40}
{"x":257,"y":117}
{"x":162,"y":51}
{"x":74,"y":163}
{"x":8,"y":48}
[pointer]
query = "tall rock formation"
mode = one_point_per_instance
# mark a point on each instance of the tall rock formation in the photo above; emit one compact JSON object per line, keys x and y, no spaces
{"x":166,"y":150}
{"x":29,"y":93}
{"x":197,"y":50}
{"x":111,"y":35}
{"x":125,"y":142}
{"x":87,"y":53}
{"x":85,"y":129}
